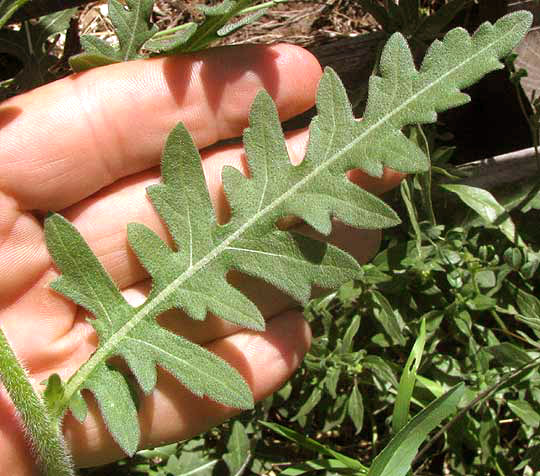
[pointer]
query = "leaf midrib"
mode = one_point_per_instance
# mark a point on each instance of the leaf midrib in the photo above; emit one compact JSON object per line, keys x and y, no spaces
{"x":103,"y":352}
{"x":135,"y":31}
{"x":186,"y":363}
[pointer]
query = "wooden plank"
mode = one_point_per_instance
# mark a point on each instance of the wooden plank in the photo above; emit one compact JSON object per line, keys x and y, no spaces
{"x":529,"y":49}
{"x":501,"y":170}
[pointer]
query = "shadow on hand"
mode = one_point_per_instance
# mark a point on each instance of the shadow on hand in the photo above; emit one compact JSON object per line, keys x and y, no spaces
{"x":216,"y":71}
{"x":7,"y":114}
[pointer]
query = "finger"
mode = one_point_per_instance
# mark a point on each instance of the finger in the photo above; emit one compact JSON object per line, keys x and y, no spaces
{"x":171,"y":413}
{"x":103,"y":218}
{"x":79,"y":134}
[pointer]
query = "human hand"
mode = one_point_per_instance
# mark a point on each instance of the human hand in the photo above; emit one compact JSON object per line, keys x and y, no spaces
{"x":87,"y":146}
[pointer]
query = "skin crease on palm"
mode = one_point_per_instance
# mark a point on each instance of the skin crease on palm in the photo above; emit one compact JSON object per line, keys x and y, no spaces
{"x":87,"y":146}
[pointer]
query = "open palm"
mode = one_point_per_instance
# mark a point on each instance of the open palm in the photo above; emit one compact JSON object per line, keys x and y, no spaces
{"x":87,"y":146}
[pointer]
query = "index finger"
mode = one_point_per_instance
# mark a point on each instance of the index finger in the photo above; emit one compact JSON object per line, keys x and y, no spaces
{"x":79,"y":134}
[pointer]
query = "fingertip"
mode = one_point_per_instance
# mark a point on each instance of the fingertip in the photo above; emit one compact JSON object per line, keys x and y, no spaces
{"x":376,"y":185}
{"x":267,"y":358}
{"x":289,"y":337}
{"x":304,"y":71}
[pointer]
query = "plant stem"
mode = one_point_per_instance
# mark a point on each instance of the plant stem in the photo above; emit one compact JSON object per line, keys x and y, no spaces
{"x":256,"y":8}
{"x":11,"y":9}
{"x":499,"y":321}
{"x":172,"y":30}
{"x":45,"y":434}
{"x":425,"y":179}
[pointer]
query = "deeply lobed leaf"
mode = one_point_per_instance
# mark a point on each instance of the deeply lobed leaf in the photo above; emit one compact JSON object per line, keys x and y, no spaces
{"x":132,"y":27}
{"x":136,"y":33}
{"x":218,"y":22}
{"x":193,"y":276}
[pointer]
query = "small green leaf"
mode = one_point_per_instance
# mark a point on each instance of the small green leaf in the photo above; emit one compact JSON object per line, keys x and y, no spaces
{"x":84,"y":61}
{"x":132,"y":27}
{"x":78,"y":407}
{"x":386,"y":316}
{"x":488,"y":208}
{"x":190,"y":463}
{"x":331,"y":380}
{"x":355,"y":409}
{"x":513,"y":257}
{"x":481,"y":303}
{"x":486,"y":279}
{"x":238,"y":454}
{"x":396,"y":458}
{"x":528,"y":304}
{"x":380,"y":369}
{"x":348,"y":337}
{"x":161,"y":43}
{"x":53,"y":392}
{"x":510,"y":355}
{"x":525,"y":412}
{"x":311,"y":402}
{"x":216,"y":24}
{"x":407,"y":381}
{"x":230,"y":28}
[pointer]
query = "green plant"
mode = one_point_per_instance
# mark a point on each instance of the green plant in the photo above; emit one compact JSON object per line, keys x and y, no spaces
{"x":137,"y":38}
{"x":474,"y":289}
{"x":7,"y":9}
{"x":192,"y":277}
{"x":30,"y":46}
{"x":409,"y":18}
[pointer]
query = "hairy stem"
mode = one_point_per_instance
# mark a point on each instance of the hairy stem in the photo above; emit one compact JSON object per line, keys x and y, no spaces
{"x":44,"y":433}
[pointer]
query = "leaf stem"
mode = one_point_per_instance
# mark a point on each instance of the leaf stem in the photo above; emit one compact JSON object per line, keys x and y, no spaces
{"x":172,"y":30}
{"x":45,"y":433}
{"x":10,"y":10}
{"x":256,"y":8}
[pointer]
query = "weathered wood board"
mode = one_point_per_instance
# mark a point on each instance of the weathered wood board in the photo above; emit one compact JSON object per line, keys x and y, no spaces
{"x":529,"y":49}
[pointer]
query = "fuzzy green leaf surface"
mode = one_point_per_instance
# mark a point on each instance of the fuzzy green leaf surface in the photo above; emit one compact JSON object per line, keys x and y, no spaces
{"x":137,"y":36}
{"x":219,"y":20}
{"x":132,"y":27}
{"x":216,"y":23}
{"x":192,"y":275}
{"x":239,"y":452}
